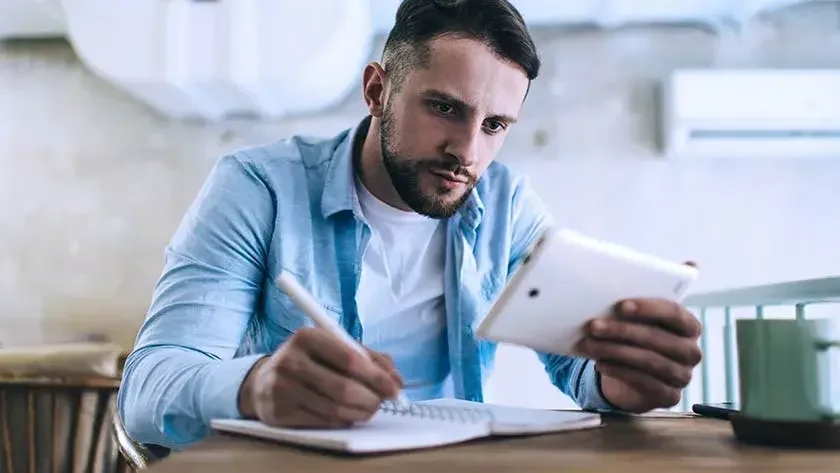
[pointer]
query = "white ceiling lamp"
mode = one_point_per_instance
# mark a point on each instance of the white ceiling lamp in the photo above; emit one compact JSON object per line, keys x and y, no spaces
{"x":218,"y":59}
{"x":31,"y":19}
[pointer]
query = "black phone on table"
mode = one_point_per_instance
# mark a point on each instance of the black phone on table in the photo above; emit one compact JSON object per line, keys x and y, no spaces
{"x":716,"y":410}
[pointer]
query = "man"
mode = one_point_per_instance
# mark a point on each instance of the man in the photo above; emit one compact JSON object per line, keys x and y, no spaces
{"x":404,"y":229}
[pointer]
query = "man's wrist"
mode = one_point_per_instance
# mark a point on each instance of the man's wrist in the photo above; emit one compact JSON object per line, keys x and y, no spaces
{"x":245,"y":396}
{"x":590,"y":395}
{"x":599,"y":384}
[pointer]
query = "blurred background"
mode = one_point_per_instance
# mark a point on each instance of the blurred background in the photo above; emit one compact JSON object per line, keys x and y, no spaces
{"x":694,"y":129}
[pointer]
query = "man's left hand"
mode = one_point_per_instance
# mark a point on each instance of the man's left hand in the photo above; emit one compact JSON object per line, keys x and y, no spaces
{"x":645,"y":353}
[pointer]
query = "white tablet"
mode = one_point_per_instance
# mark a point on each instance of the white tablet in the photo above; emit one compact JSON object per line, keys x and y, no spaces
{"x":567,"y":279}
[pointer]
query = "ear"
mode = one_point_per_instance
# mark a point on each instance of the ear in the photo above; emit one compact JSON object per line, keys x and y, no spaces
{"x":373,"y":89}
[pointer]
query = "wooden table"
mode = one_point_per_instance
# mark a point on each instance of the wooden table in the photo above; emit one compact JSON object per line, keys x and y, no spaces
{"x":639,"y":444}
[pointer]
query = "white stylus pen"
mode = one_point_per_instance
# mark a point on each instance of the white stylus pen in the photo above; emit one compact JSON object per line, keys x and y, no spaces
{"x":301,"y":297}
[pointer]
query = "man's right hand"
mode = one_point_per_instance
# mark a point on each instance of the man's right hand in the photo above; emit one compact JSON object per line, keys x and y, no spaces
{"x":314,"y":380}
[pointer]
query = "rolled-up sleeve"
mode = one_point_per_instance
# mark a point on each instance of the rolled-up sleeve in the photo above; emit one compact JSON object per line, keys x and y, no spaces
{"x":182,"y":371}
{"x":576,"y":378}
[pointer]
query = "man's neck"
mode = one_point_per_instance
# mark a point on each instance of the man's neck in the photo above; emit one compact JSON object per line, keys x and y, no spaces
{"x":371,"y":170}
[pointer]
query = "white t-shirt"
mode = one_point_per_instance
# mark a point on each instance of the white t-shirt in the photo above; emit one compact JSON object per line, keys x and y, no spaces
{"x":400,"y":295}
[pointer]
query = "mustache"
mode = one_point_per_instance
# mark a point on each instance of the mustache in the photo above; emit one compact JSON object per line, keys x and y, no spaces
{"x":453,"y":166}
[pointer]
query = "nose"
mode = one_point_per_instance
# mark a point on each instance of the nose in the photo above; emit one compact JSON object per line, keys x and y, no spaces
{"x":464,"y":145}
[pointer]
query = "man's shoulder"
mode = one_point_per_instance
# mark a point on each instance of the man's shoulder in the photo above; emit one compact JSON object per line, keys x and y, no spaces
{"x":509,"y":197}
{"x":500,"y":183}
{"x":296,"y":151}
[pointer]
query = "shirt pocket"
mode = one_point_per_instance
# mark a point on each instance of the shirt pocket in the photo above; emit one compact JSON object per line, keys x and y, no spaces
{"x":286,"y":317}
{"x":492,"y":285}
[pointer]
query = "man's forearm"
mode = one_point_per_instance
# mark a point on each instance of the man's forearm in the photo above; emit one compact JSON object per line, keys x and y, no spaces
{"x":169,"y":393}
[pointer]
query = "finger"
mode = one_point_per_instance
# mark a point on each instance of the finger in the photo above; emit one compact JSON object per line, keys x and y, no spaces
{"x":331,"y":413}
{"x":659,"y":393}
{"x":327,"y":382}
{"x":387,"y":363}
{"x":280,"y":406}
{"x":300,"y":417}
{"x":383,"y":360}
{"x":326,"y":349}
{"x":666,"y":313}
{"x":680,"y":349}
{"x":646,"y":361}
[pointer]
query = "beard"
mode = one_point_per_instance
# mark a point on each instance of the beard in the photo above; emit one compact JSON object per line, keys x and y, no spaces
{"x":405,"y":175}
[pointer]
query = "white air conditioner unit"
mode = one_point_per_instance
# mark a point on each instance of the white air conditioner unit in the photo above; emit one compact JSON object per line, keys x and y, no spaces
{"x":754,"y":113}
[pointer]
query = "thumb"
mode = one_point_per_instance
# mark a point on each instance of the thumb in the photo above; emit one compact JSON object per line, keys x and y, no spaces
{"x":382,"y":360}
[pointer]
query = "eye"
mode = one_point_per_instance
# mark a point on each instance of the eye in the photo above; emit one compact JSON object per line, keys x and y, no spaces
{"x":443,"y":108}
{"x":495,"y":126}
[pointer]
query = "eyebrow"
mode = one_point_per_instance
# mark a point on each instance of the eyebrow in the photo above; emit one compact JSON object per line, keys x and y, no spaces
{"x":444,"y":97}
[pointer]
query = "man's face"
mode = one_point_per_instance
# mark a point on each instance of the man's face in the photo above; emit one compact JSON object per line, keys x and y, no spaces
{"x":446,"y":123}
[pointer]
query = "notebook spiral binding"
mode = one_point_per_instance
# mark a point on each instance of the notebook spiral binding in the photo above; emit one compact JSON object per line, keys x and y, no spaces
{"x":432,"y":412}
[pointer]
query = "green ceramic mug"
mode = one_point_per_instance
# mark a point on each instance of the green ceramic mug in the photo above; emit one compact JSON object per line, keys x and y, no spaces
{"x":789,"y":370}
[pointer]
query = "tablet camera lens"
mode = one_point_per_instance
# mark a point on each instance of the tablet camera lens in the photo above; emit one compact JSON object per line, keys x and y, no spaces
{"x":534,"y":292}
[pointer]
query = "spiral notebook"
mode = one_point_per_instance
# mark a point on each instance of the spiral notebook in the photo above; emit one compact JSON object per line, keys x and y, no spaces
{"x":420,"y":425}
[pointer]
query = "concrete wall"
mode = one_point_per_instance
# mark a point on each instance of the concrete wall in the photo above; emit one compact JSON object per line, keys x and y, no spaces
{"x":92,"y":184}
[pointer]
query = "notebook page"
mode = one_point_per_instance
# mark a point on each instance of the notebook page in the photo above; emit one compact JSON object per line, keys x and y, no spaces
{"x":383,"y":433}
{"x":510,"y":420}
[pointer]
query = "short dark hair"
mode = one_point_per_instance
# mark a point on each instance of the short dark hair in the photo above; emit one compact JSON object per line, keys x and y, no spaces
{"x":495,"y":23}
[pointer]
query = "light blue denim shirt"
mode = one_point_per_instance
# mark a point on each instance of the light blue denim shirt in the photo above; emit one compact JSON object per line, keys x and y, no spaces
{"x":292,"y":205}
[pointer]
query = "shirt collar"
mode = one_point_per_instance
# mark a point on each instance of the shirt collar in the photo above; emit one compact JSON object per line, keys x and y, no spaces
{"x":339,"y":192}
{"x":340,"y":189}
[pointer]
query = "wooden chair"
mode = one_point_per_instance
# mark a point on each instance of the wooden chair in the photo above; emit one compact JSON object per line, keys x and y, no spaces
{"x":59,"y":425}
{"x":136,"y":455}
{"x":58,"y":410}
